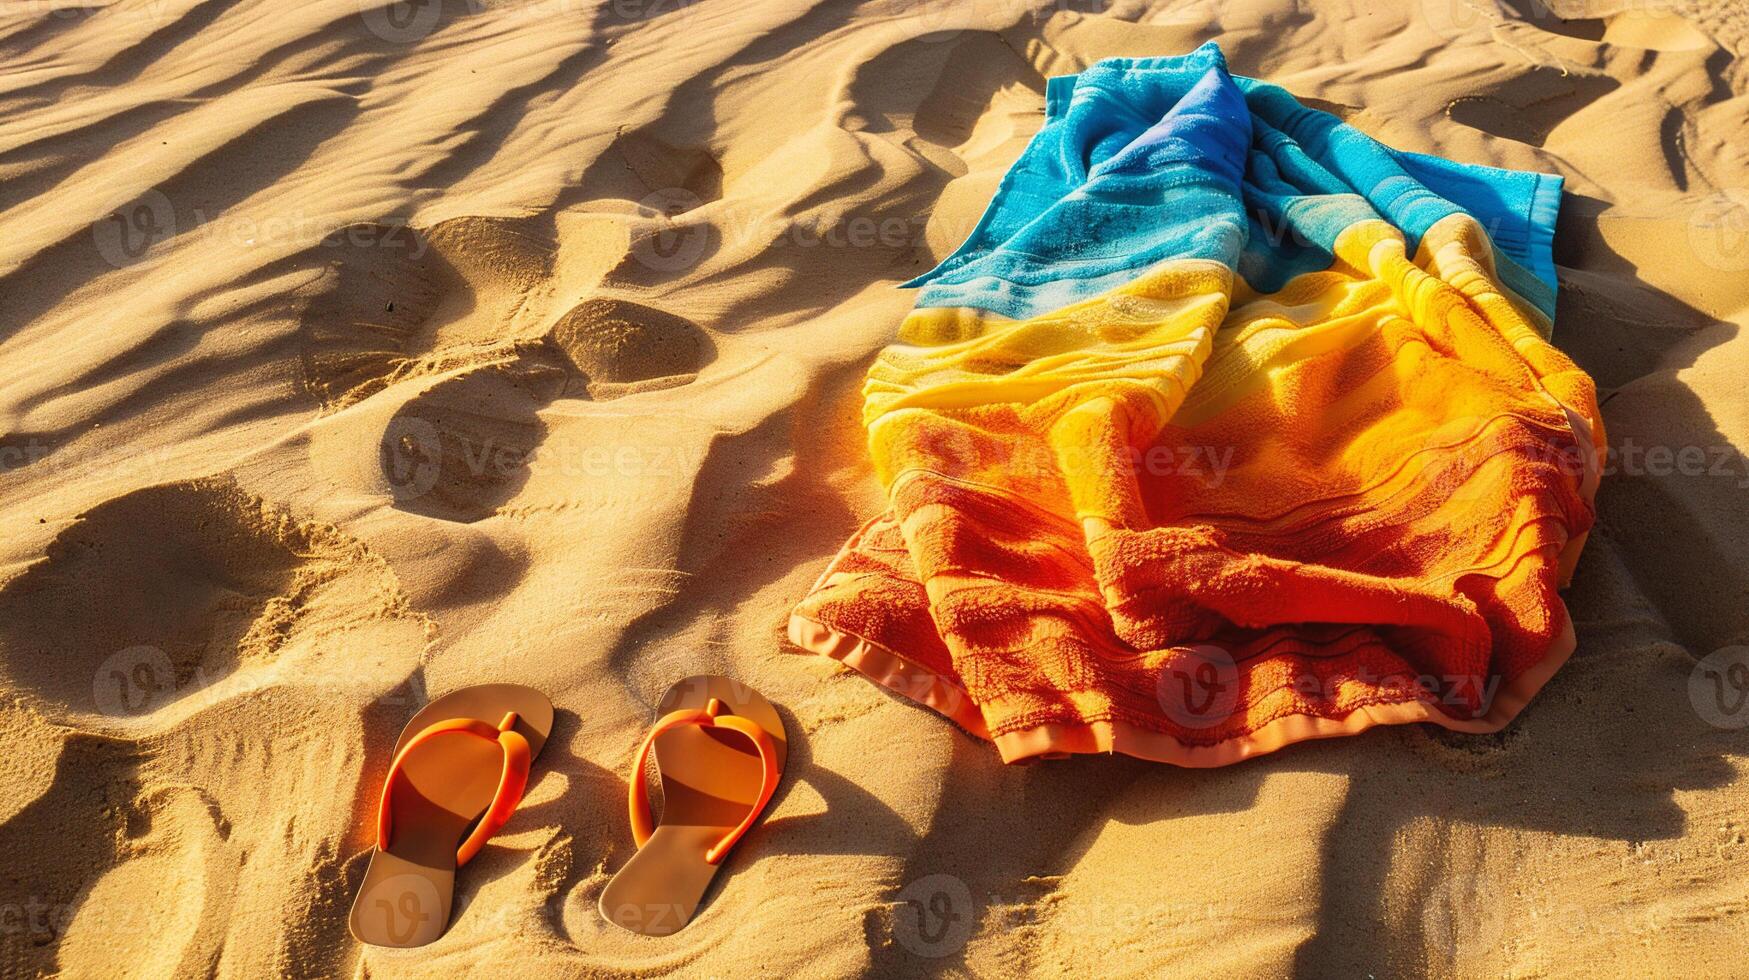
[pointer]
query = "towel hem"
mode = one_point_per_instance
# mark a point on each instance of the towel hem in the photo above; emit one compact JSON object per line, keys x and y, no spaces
{"x":895,"y":672}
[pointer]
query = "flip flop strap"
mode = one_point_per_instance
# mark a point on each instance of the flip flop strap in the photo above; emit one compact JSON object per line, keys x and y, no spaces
{"x":511,"y":781}
{"x":710,"y":716}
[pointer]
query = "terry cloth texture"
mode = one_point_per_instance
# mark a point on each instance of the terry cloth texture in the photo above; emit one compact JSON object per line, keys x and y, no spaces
{"x":1227,"y":427}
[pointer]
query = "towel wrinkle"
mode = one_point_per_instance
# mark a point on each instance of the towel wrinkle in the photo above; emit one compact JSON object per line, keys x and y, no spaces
{"x":1222,"y":403}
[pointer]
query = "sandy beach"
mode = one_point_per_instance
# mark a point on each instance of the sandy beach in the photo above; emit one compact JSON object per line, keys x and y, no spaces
{"x":351,"y":354}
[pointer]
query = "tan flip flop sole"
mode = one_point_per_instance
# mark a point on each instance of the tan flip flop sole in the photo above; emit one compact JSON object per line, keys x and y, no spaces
{"x":441,"y":800}
{"x":720,"y":749}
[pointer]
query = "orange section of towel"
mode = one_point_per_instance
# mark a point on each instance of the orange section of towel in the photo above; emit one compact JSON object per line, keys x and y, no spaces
{"x":1195,"y":524}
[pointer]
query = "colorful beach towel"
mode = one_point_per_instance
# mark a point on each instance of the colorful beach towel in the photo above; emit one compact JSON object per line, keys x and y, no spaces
{"x":1227,"y":427}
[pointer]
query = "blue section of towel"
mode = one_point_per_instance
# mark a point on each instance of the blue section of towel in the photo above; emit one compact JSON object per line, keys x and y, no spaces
{"x":1145,"y":160}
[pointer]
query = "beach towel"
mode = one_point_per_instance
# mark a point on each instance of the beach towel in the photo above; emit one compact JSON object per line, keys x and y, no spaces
{"x":1227,"y":427}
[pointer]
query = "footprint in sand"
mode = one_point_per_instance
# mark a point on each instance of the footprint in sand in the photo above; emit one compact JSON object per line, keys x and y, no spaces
{"x":152,"y":856}
{"x":462,"y":448}
{"x":475,"y":303}
{"x":146,"y":647}
{"x":79,"y":901}
{"x":167,"y":591}
{"x":620,"y":347}
{"x":1530,"y":107}
{"x":381,"y":285}
{"x":641,"y":163}
{"x":395,"y":302}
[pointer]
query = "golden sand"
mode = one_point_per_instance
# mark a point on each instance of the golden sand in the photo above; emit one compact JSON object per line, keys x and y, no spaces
{"x":350,"y":355}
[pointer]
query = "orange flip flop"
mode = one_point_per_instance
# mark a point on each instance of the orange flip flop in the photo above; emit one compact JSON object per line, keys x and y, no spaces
{"x":459,"y":770}
{"x":720,"y":750}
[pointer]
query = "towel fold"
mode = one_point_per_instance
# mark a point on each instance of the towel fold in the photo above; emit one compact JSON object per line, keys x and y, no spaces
{"x":1227,"y":427}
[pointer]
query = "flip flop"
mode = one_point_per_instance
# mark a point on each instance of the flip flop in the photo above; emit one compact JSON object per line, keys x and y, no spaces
{"x":720,"y":750}
{"x":459,"y":770}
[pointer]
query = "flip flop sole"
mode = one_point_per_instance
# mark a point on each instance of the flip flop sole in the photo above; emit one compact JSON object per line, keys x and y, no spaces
{"x":409,"y":888}
{"x":710,"y":778}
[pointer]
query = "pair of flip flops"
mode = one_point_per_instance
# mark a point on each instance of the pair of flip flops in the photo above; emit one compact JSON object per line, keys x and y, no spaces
{"x":462,"y":763}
